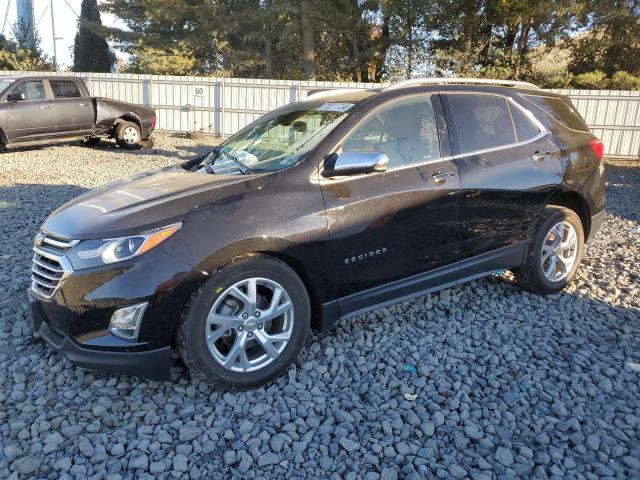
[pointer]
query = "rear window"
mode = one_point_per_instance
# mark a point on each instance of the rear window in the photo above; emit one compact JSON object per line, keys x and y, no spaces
{"x":560,"y":109}
{"x":482,"y":121}
{"x":65,"y":89}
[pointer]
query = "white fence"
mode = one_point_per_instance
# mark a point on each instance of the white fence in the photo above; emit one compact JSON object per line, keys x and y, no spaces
{"x":221,"y":106}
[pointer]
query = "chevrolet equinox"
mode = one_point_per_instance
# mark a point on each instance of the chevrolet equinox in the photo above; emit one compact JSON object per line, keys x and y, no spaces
{"x":320,"y":210}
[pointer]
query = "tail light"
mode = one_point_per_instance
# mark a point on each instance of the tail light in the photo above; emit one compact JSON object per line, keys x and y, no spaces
{"x":598,"y":147}
{"x":153,"y":122}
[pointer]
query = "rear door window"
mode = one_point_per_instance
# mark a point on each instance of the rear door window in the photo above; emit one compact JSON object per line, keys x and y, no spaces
{"x":525,"y":128}
{"x":482,"y":121}
{"x":560,"y":109}
{"x":65,"y":89}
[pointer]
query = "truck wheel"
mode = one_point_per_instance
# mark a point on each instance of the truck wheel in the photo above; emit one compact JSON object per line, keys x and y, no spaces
{"x":128,"y":135}
{"x":246,"y":324}
{"x":554,"y":253}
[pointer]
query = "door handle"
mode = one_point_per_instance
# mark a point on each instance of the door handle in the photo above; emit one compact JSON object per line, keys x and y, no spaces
{"x":539,"y":156}
{"x":440,"y":178}
{"x":83,"y":104}
{"x":42,"y":107}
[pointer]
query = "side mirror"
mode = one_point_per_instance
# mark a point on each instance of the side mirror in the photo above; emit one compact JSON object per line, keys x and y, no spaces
{"x":16,"y":97}
{"x":354,"y":163}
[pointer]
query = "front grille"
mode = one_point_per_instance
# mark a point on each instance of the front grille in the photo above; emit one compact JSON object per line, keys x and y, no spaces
{"x":47,"y":270}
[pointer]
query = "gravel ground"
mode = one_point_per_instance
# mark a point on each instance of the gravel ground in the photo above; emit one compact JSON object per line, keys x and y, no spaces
{"x":482,"y":381}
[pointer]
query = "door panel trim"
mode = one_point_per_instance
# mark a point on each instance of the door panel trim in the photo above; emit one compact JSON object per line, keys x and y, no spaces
{"x":407,"y":288}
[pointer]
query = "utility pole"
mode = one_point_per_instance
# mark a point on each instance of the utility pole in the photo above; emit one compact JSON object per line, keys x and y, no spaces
{"x":53,"y":32}
{"x":27,"y":18}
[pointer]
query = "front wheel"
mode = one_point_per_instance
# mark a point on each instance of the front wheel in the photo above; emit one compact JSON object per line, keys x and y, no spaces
{"x":246,"y":324}
{"x":128,"y":135}
{"x":554,"y":253}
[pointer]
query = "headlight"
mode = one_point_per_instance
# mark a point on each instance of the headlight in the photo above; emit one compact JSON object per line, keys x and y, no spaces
{"x":93,"y":253}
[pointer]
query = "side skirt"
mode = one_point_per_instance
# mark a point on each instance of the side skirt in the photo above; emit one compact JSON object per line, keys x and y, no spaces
{"x":440,"y":278}
{"x":44,"y":141}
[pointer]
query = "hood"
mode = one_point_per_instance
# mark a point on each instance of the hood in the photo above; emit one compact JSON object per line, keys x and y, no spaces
{"x":143,"y":202}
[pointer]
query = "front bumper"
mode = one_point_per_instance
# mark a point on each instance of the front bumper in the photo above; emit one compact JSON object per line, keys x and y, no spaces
{"x":75,"y":319}
{"x":105,"y":353}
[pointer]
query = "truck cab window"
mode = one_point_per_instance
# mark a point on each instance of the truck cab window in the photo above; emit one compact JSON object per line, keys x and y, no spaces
{"x":65,"y":89}
{"x":32,"y":89}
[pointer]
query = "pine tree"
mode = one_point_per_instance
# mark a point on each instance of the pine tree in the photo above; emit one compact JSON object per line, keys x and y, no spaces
{"x":91,"y":52}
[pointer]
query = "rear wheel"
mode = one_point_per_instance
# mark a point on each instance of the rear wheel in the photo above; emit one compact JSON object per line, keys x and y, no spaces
{"x":128,"y":135}
{"x":246,"y":325}
{"x":554,"y":253}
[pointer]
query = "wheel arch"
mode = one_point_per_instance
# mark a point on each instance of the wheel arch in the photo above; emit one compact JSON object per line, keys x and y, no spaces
{"x":307,"y":280}
{"x":574,"y":201}
{"x":128,"y":117}
{"x":275,"y":248}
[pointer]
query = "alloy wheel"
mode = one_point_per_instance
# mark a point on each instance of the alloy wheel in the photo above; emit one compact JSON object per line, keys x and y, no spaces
{"x":559,"y":251}
{"x":250,"y":324}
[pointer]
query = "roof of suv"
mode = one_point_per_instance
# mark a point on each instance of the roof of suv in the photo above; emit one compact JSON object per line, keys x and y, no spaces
{"x":359,"y":95}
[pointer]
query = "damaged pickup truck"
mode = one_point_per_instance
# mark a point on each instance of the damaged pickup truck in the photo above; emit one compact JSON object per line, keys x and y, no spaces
{"x":41,"y":110}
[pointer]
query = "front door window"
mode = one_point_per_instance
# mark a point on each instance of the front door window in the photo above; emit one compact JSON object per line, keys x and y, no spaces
{"x":32,"y":89}
{"x":406,"y":131}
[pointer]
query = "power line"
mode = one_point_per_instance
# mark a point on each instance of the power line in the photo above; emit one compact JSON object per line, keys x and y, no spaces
{"x":42,"y":16}
{"x":74,"y":12}
{"x":6,"y":14}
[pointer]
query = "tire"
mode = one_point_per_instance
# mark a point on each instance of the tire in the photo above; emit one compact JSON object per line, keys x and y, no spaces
{"x":128,"y":135}
{"x":92,"y":141}
{"x":205,"y":357}
{"x":531,"y":275}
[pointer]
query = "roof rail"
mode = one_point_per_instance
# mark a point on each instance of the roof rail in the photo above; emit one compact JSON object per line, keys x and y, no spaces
{"x":329,"y":92}
{"x":457,"y":80}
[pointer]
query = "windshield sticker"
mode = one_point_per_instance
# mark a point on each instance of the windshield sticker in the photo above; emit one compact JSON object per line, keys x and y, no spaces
{"x":335,"y":107}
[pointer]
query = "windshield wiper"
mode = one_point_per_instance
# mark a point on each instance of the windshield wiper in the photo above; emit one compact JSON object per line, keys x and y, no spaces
{"x":243,"y":168}
{"x":216,"y":153}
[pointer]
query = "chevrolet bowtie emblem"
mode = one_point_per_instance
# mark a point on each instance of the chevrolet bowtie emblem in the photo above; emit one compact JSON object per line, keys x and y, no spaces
{"x":37,"y":242}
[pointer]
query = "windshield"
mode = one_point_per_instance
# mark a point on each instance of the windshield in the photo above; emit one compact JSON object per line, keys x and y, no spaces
{"x":5,"y":82}
{"x":277,"y":140}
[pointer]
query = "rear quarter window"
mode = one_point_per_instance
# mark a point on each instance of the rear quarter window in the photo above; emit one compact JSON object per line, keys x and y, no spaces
{"x":560,"y":109}
{"x":525,"y":128}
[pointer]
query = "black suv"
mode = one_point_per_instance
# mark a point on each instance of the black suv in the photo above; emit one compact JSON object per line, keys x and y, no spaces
{"x":320,"y":210}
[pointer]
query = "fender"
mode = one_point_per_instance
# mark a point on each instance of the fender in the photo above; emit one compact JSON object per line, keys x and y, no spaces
{"x":281,"y":249}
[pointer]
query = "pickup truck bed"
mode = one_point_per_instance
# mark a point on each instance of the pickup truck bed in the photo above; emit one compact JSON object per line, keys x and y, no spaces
{"x":41,"y":110}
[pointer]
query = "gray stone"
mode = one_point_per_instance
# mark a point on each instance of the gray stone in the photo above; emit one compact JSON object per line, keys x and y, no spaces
{"x":229,"y":457}
{"x":180,"y":463}
{"x":139,"y":462}
{"x":504,"y":456}
{"x":348,"y":445}
{"x":245,"y":427}
{"x":593,"y":442}
{"x":268,"y":458}
{"x":245,"y":464}
{"x":473,"y":432}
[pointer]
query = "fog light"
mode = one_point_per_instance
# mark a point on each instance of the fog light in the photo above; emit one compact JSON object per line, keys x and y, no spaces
{"x":125,"y":322}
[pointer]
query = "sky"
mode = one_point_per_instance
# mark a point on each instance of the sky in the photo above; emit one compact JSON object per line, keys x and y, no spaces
{"x":66,"y":25}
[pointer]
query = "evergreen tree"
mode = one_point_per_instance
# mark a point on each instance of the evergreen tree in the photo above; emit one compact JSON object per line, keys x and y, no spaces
{"x":91,"y":52}
{"x":23,"y":52}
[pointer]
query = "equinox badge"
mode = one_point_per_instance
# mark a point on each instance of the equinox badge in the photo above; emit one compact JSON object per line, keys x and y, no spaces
{"x":365,"y":256}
